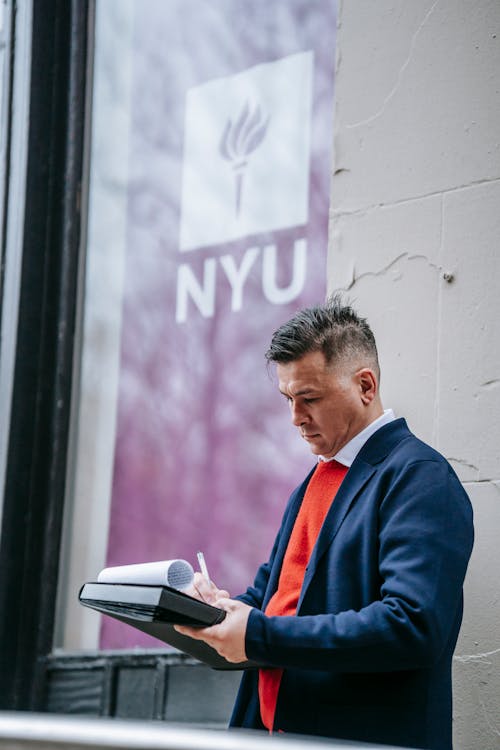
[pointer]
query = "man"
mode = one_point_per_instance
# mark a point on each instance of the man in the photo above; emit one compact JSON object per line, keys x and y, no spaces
{"x":355,"y":616}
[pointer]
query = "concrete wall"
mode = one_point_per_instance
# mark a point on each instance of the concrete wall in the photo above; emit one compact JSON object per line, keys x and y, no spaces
{"x":415,"y":228}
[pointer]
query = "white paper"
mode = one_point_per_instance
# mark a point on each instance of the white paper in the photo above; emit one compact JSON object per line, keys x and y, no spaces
{"x":177,"y":574}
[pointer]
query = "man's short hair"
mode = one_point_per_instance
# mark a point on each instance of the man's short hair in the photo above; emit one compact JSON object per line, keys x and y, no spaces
{"x":333,"y":328}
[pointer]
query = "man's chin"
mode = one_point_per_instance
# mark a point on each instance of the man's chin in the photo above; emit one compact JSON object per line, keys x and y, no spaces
{"x":315,"y":448}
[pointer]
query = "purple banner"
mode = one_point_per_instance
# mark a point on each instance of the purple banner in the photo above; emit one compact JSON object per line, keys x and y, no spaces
{"x":229,"y":174}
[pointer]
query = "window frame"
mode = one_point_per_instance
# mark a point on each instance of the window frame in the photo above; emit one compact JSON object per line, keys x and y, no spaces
{"x":35,"y":473}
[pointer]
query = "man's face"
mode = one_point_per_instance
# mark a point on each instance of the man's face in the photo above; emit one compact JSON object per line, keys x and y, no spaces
{"x":326,"y":403}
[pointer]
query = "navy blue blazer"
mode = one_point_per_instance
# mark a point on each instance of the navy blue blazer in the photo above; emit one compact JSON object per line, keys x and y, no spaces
{"x":368,"y":655}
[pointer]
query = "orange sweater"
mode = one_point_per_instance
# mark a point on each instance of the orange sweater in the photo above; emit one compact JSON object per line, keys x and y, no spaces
{"x":318,"y":498}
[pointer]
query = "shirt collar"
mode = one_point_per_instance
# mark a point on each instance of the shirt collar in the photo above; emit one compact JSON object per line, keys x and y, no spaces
{"x":348,"y":453}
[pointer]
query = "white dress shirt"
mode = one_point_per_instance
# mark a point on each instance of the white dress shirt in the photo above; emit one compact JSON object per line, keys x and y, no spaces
{"x":348,"y":453}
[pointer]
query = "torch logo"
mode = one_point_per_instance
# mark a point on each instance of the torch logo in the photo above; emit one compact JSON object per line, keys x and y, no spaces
{"x":247,"y":147}
{"x":238,"y":142}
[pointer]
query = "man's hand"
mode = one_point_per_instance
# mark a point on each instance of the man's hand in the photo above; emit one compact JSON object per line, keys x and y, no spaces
{"x":205,"y":590}
{"x":228,"y":638}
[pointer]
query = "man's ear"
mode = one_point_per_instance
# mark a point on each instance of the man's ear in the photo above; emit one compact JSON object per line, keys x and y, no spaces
{"x":368,"y":385}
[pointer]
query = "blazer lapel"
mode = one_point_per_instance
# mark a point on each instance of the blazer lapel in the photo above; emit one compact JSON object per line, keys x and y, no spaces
{"x":350,"y":488}
{"x":373,"y":452}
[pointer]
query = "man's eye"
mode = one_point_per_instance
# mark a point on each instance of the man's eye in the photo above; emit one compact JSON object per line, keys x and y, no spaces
{"x":310,"y":400}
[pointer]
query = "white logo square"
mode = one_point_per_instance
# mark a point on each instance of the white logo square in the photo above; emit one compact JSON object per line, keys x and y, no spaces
{"x":247,"y":153}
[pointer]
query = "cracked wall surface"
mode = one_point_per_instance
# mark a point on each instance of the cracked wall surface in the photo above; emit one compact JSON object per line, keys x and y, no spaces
{"x":414,"y":239}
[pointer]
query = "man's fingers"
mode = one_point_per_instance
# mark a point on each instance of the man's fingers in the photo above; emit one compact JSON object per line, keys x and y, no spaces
{"x":199,"y":634}
{"x":224,"y":602}
{"x":228,"y":637}
{"x":207,"y":591}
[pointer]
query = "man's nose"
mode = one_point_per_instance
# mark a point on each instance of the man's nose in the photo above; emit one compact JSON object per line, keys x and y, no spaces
{"x":299,"y":415}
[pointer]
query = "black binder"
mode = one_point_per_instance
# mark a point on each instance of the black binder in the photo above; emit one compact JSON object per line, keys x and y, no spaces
{"x":155,"y":610}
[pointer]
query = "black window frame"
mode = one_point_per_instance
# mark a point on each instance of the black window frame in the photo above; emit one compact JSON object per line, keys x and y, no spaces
{"x":35,"y":477}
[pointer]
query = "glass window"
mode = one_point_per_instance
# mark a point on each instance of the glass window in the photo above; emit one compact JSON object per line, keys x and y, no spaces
{"x":15,"y":59}
{"x":209,"y":172}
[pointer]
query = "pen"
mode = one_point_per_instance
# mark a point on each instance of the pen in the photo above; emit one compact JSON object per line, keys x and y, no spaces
{"x":203,"y":565}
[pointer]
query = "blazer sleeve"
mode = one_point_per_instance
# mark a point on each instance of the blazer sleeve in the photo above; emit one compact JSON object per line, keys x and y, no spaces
{"x":425,"y":540}
{"x":254,"y":595}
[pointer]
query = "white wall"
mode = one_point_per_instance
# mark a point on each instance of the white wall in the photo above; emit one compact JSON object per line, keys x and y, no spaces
{"x":414,"y":237}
